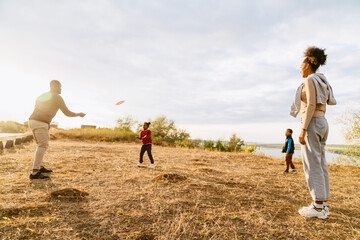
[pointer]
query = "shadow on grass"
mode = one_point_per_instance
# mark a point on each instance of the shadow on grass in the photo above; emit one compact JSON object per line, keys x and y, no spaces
{"x":74,"y":212}
{"x":30,"y":211}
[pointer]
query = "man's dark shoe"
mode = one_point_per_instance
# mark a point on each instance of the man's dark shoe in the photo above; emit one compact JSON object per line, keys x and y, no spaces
{"x":44,"y":170}
{"x":39,"y":176}
{"x":286,"y":171}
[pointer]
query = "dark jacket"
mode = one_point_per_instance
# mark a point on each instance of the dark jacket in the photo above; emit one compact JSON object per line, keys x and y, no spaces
{"x":289,"y":148}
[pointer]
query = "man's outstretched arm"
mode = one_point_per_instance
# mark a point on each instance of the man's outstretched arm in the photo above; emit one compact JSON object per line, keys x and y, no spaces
{"x":66,"y":111}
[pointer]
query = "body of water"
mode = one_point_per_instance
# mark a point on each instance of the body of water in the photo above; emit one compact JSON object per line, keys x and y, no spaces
{"x":10,"y":134}
{"x":5,"y":136}
{"x":276,"y":153}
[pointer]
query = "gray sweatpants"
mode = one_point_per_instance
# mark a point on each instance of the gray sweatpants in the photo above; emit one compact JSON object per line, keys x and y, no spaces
{"x":314,"y":161}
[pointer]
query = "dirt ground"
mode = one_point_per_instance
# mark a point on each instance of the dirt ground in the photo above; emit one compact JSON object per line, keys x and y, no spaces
{"x":97,"y":192}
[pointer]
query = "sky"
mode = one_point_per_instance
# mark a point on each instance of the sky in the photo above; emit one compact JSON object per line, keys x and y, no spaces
{"x":214,"y":67}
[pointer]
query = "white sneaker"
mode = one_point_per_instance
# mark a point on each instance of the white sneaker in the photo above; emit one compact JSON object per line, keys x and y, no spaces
{"x":327,"y":210}
{"x":152,"y":165}
{"x":140,"y":165}
{"x":308,"y":207}
{"x":313,"y":212}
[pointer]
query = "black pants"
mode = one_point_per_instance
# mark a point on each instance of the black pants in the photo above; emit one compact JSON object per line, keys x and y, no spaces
{"x":147,"y":148}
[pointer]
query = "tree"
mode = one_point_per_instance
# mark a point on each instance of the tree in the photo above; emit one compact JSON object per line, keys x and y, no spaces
{"x":164,"y":129}
{"x":127,"y":123}
{"x":351,"y":121}
{"x":235,"y":143}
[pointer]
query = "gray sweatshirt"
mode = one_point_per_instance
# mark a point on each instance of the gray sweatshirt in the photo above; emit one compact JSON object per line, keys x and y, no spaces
{"x":324,"y":93}
{"x":47,"y":105}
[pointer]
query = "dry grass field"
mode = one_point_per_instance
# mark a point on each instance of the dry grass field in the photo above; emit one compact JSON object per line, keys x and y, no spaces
{"x":191,"y":194}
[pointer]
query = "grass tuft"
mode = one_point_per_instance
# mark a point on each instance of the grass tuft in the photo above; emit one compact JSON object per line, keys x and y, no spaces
{"x":170,"y":177}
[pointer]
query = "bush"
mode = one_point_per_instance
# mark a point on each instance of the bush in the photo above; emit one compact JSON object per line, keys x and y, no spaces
{"x":189,"y":143}
{"x":220,"y":146}
{"x":11,"y":127}
{"x":250,"y":148}
{"x":159,"y":141}
{"x":100,"y":134}
{"x":351,"y":121}
{"x":233,"y":145}
{"x":210,"y":145}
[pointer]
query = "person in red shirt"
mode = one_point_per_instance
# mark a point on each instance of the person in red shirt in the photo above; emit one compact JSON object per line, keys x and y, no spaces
{"x":145,"y":137}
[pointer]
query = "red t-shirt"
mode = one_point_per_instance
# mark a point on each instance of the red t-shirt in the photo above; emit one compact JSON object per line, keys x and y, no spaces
{"x":146,"y":140}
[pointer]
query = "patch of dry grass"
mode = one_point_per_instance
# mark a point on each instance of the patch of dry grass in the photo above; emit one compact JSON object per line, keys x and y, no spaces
{"x":191,"y":194}
{"x":100,"y":134}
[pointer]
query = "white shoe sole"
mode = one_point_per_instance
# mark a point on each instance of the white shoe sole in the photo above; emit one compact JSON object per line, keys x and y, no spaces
{"x":312,"y":216}
{"x":304,"y":208}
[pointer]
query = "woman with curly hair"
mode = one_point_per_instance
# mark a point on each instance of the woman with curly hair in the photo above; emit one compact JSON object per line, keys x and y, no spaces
{"x":311,"y":99}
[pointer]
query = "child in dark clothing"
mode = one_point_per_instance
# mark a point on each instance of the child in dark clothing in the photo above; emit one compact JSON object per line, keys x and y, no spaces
{"x":146,"y":140}
{"x":289,"y":148}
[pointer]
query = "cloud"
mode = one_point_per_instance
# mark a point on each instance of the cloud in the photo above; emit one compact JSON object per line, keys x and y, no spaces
{"x":198,"y":62}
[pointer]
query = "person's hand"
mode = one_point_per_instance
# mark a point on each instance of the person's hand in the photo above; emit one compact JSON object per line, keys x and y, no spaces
{"x":82,"y":114}
{"x":302,"y":137}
